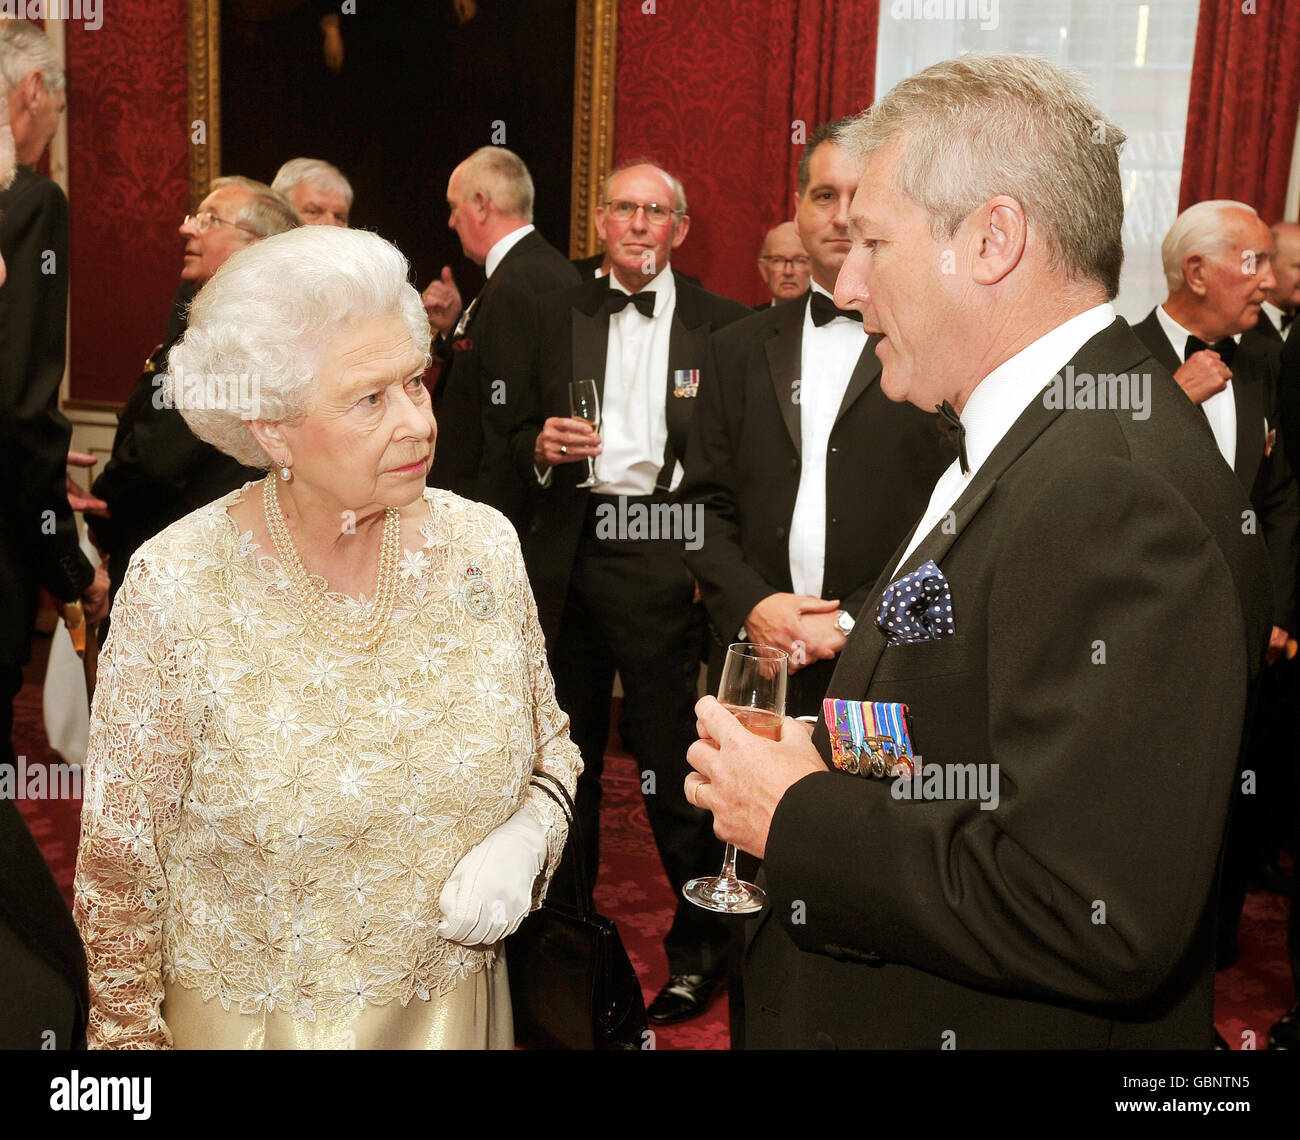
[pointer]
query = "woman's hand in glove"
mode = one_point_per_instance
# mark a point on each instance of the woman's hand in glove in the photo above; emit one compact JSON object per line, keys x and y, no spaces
{"x":491,"y":889}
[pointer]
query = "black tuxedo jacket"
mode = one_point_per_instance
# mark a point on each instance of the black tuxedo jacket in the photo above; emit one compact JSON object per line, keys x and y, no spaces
{"x":1076,"y":913}
{"x":159,"y":470}
{"x":575,"y":336}
{"x":744,"y":464}
{"x":1261,"y":463}
{"x":1289,"y":398}
{"x":38,"y":534}
{"x":484,"y":385}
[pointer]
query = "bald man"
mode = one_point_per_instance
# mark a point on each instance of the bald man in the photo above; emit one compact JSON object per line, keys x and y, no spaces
{"x":784,"y":265}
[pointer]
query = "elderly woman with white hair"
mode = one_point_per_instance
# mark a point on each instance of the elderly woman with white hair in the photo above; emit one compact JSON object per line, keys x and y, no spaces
{"x":309,"y":816}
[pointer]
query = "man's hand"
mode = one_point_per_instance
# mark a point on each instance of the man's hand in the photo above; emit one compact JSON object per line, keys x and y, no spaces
{"x":779,"y":620}
{"x":80,"y":499}
{"x":740,"y":777}
{"x":94,"y":598}
{"x":1202,"y":375}
{"x":577,"y":438}
{"x":442,"y":302}
{"x":1276,"y":644}
{"x":822,"y":638}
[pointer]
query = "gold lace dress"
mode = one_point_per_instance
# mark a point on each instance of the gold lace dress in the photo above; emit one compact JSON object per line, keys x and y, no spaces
{"x":268,"y":821}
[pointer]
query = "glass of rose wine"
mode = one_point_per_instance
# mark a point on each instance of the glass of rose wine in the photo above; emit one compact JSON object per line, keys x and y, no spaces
{"x":753,"y":690}
{"x":584,"y":404}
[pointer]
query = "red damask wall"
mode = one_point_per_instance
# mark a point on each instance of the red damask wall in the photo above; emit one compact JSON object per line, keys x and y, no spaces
{"x":128,"y":186}
{"x":715,"y":89}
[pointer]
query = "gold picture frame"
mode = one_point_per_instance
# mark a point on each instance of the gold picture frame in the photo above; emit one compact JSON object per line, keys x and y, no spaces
{"x":596,"y":31}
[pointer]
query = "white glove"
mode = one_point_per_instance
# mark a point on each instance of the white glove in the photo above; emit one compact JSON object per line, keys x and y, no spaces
{"x":490,"y":892}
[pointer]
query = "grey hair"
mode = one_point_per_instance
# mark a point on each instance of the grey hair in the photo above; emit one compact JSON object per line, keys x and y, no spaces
{"x":675,"y":183}
{"x":832,"y":131}
{"x":317,"y":172}
{"x":1198,"y":229}
{"x":987,"y":124}
{"x":268,"y":213}
{"x":269,"y":314}
{"x":24,"y":48}
{"x":502,"y":178}
{"x":8,"y":147}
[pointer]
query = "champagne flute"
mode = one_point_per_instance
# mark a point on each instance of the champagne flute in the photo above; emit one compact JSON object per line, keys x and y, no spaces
{"x":584,"y":404}
{"x":753,"y":690}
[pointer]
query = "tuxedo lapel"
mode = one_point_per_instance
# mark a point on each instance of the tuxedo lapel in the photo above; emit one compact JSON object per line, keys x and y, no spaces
{"x":589,"y":334}
{"x":784,"y":351}
{"x":688,"y":348}
{"x":1248,"y":398}
{"x":864,"y":375}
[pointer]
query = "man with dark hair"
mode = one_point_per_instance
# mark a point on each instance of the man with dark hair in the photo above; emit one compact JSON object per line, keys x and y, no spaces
{"x":159,"y":470}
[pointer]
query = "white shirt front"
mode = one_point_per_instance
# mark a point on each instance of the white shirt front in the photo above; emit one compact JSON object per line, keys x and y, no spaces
{"x":999,"y":400}
{"x":828,"y":356}
{"x":633,"y":417}
{"x":504,"y":246}
{"x":1221,"y":408}
{"x":1272,"y":313}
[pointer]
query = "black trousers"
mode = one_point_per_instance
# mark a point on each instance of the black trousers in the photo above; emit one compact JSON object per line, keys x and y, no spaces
{"x":629,"y":609}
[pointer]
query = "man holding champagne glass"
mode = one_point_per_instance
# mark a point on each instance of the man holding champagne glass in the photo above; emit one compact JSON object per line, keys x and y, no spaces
{"x":614,"y":601}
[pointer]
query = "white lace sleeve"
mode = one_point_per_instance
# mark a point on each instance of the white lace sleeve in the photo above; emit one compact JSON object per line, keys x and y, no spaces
{"x":135,"y":767}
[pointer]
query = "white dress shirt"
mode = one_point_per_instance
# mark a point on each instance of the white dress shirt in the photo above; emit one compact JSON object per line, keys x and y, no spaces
{"x":827,"y":358}
{"x":633,"y":418}
{"x":1270,"y":311}
{"x":998,"y":401}
{"x":1221,"y":408}
{"x":504,"y":246}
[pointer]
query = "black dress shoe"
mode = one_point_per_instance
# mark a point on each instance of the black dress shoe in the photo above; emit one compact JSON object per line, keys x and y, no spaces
{"x":685,"y":996}
{"x":1286,"y":1033}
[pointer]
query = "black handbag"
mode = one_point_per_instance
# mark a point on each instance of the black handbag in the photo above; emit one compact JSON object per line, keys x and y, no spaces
{"x":572,"y":985}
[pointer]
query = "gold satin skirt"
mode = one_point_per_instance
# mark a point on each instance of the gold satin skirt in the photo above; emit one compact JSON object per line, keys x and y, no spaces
{"x":475,"y":1015}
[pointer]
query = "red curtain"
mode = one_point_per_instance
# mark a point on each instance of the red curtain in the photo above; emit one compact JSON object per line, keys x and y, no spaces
{"x":723,"y":94}
{"x":1242,"y":107}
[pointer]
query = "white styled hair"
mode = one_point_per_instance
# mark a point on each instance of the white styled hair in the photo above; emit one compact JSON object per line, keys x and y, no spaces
{"x":24,"y":48}
{"x":981,"y":125}
{"x":269,"y":315}
{"x":1198,"y":229}
{"x":8,"y":147}
{"x":315,"y":171}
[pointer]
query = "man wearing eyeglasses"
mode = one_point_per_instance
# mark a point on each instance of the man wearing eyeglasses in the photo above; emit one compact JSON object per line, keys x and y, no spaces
{"x":784,"y":265}
{"x":160,"y":470}
{"x":611,"y":594}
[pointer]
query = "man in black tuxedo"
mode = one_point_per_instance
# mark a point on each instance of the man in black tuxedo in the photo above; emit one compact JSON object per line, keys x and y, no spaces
{"x":1278,"y":312}
{"x":612,"y":593}
{"x":783,"y":263}
{"x":43,"y":994}
{"x":159,"y":470}
{"x":487,"y":350}
{"x":1217,"y":259}
{"x":1074,"y":623}
{"x":808,"y":474}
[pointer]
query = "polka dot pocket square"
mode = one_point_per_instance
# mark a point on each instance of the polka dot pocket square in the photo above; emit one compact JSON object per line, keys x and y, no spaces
{"x":917,"y":607}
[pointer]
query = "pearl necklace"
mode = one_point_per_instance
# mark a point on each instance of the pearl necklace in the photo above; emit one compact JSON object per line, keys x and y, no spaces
{"x":342,"y":633}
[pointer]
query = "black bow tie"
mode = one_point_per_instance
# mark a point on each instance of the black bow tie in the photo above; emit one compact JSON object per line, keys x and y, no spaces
{"x":644,"y":301}
{"x":1287,"y":318}
{"x":953,"y":428}
{"x":824,"y":310}
{"x":1225,"y":348}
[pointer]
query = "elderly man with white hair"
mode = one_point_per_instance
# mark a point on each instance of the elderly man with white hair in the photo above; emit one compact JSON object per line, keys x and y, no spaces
{"x":317,"y":189}
{"x":310,"y":818}
{"x":1053,"y":669}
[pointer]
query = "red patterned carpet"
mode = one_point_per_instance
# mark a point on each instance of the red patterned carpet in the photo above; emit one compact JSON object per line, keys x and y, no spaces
{"x":633,"y":891}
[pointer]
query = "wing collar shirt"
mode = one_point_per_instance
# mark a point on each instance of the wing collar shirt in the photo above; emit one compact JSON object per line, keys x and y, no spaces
{"x":1270,"y":312}
{"x":828,"y":356}
{"x":999,"y":400}
{"x":633,"y":419}
{"x":1221,"y":408}
{"x":503,"y":246}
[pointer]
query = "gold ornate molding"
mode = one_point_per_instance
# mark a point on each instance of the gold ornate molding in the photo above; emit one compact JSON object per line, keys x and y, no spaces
{"x":204,"y":96}
{"x":593,"y":118}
